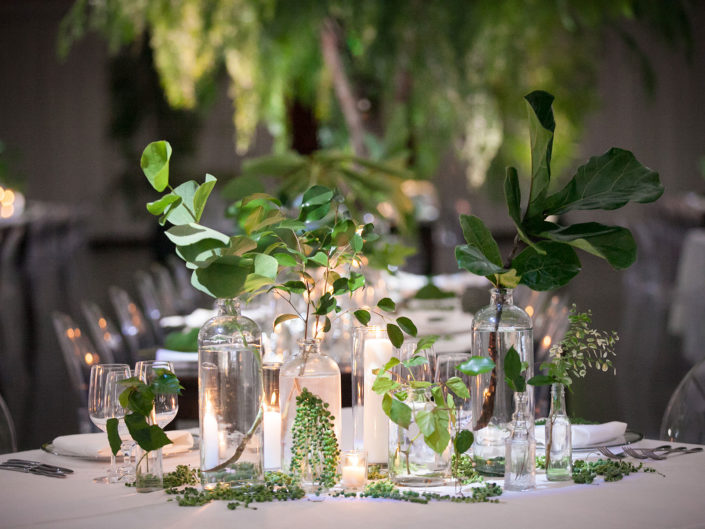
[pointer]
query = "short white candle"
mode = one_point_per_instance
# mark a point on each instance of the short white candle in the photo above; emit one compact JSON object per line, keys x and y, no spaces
{"x":354,"y":472}
{"x":210,"y":439}
{"x":378,"y":351}
{"x":272,"y":438}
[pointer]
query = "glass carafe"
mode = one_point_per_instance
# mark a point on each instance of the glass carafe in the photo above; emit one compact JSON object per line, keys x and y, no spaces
{"x":230,"y":397}
{"x":496,"y":328}
{"x":520,"y":450}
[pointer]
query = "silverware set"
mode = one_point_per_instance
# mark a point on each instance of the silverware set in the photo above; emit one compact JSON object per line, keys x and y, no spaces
{"x":35,"y":467}
{"x":658,"y":453}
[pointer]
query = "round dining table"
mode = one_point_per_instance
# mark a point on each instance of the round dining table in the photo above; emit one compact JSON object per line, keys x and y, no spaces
{"x":673,"y":497}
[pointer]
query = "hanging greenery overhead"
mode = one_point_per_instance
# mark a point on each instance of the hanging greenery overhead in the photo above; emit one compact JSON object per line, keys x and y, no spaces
{"x":386,"y":76}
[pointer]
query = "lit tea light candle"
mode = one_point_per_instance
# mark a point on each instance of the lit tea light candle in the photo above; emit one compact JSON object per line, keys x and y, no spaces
{"x":272,"y":434}
{"x":354,"y":464}
{"x":210,"y":455}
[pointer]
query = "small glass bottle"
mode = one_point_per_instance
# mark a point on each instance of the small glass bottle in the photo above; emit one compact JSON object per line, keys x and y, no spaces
{"x":230,"y":397}
{"x":495,"y":328}
{"x":148,"y":470}
{"x":317,"y":372}
{"x":559,"y":449}
{"x":520,"y":454}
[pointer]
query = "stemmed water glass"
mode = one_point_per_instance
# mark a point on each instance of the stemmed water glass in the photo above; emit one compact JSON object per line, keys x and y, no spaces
{"x":103,"y":404}
{"x":166,"y":406}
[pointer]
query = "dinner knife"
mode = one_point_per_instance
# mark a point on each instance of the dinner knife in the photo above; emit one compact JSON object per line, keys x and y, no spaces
{"x":39,"y":463}
{"x":33,"y":470}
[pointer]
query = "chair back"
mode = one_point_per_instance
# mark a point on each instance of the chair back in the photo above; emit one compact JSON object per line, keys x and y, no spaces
{"x":167,"y":293}
{"x":107,"y":338}
{"x":147,"y":290}
{"x":133,"y":324}
{"x":684,"y":419}
{"x":8,"y":439}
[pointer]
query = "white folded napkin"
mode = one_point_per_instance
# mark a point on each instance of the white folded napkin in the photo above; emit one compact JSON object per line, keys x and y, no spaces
{"x":585,"y":435}
{"x":194,"y":320}
{"x":96,"y":445}
{"x":167,"y":355}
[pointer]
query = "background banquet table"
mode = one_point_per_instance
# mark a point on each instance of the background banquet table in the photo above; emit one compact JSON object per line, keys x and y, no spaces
{"x":641,"y":500}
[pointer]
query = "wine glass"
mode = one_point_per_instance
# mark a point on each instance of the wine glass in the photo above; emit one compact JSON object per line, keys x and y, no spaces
{"x":166,"y":406}
{"x":103,"y":404}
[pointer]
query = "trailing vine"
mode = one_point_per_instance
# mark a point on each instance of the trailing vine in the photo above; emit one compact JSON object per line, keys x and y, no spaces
{"x":315,"y":452}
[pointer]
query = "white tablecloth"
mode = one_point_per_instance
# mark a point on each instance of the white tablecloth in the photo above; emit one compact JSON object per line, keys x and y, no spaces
{"x":642,"y":500}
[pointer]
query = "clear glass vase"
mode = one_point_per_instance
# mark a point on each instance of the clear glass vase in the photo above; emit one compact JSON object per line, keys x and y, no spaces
{"x":520,"y":450}
{"x":319,"y":374}
{"x":149,"y":475}
{"x":496,"y":328}
{"x":230,"y":397}
{"x":558,"y":442}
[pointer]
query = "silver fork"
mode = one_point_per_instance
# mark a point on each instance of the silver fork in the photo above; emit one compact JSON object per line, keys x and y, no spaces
{"x":645,"y":453}
{"x":33,"y":470}
{"x":609,"y":453}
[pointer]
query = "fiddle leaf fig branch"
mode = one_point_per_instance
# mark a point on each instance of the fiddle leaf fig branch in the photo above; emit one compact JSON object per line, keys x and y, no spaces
{"x":544,"y":256}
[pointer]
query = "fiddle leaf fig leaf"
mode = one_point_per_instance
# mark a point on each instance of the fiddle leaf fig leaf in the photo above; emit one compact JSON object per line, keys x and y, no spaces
{"x":613,"y":243}
{"x":541,"y":128}
{"x":512,"y":194}
{"x":111,"y":427}
{"x":607,"y":182}
{"x":158,"y":206}
{"x":550,"y":271}
{"x":155,"y":164}
{"x":201,"y":196}
{"x":474,"y":261}
{"x":476,"y":365}
{"x":478,"y":236}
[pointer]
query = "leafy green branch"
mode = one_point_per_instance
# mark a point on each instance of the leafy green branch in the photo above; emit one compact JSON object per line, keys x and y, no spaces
{"x":435,"y":422}
{"x":138,"y":397}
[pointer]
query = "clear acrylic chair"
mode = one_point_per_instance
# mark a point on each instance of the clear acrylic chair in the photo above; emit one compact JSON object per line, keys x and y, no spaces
{"x":106,"y":337}
{"x":8,"y":439}
{"x":79,"y":355}
{"x":167,"y":293}
{"x":133,"y":324}
{"x":147,"y":290}
{"x":684,"y":419}
{"x":189,"y":298}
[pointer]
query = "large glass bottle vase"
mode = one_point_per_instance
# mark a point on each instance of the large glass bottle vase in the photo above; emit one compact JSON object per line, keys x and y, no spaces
{"x":495,"y":329}
{"x":230,"y":397}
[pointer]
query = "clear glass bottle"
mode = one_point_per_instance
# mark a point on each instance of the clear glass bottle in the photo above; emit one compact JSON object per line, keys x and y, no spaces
{"x":496,"y":328}
{"x":230,"y":397}
{"x":317,"y":372}
{"x":559,"y":449}
{"x":520,"y":450}
{"x":148,"y":470}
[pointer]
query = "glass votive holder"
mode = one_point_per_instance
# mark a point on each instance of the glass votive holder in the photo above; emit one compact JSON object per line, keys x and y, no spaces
{"x":354,"y":469}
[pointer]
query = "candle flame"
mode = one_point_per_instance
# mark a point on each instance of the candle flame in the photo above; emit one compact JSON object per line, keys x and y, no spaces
{"x":486,"y":393}
{"x":529,"y":310}
{"x":273,"y":400}
{"x":546,"y":341}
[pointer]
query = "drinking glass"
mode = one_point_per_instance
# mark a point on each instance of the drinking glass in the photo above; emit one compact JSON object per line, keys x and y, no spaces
{"x":103,"y":404}
{"x":446,"y":364}
{"x":166,"y":406}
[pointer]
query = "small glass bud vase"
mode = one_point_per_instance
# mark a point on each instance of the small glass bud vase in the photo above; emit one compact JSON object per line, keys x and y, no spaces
{"x":149,"y":475}
{"x":559,"y":449}
{"x":520,"y":454}
{"x":495,"y":328}
{"x":230,"y":397}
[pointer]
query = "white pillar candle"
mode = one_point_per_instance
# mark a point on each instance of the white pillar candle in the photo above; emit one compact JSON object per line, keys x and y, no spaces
{"x":378,"y":351}
{"x":210,"y":439}
{"x":272,"y":439}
